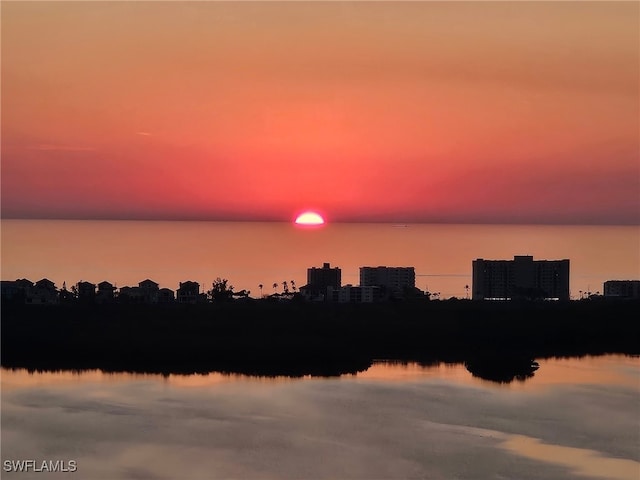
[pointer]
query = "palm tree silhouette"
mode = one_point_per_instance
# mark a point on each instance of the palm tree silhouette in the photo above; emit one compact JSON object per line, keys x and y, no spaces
{"x":293,"y":285}
{"x":260,"y":287}
{"x":285,"y":287}
{"x":275,"y":285}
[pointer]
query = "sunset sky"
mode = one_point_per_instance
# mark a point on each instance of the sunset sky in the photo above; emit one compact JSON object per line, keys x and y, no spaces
{"x":505,"y":112}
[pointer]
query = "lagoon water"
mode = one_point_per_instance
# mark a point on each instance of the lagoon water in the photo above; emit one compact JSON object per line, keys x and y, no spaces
{"x":250,"y":254}
{"x":574,"y":419}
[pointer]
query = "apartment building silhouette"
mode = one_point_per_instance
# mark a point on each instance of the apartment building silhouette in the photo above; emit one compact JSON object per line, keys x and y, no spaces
{"x":522,"y":277}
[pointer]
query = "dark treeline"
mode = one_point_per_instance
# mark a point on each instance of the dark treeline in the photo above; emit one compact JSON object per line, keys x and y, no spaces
{"x":495,"y":340}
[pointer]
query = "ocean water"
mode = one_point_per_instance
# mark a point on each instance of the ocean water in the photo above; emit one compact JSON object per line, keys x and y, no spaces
{"x":574,"y":419}
{"x":250,"y":254}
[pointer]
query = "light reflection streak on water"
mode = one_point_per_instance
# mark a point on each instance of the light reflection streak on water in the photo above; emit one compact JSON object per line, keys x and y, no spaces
{"x":579,"y":460}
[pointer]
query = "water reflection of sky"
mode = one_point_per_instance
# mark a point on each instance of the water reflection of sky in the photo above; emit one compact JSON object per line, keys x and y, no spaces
{"x":602,"y":370}
{"x":392,"y":421}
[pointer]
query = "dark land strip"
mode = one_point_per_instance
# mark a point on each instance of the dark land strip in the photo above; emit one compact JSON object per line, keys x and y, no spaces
{"x":495,"y":340}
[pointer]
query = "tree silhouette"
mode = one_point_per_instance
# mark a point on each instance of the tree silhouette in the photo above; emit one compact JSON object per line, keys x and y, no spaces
{"x":275,"y":286}
{"x":285,"y":287}
{"x":260,"y":287}
{"x":221,"y":291}
{"x":293,"y":286}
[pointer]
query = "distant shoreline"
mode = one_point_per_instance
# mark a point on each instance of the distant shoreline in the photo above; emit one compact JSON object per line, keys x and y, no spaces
{"x":295,"y":339}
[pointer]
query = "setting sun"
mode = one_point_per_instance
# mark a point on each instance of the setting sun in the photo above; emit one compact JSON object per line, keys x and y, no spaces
{"x":309,"y":218}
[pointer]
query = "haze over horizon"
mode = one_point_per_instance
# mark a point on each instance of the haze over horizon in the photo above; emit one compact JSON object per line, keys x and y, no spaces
{"x":443,"y":112}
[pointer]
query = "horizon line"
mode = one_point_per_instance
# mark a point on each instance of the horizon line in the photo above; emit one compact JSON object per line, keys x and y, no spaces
{"x":396,"y":222}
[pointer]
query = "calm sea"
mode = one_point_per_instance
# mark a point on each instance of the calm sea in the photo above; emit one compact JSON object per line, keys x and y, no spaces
{"x":574,"y":419}
{"x":250,"y":254}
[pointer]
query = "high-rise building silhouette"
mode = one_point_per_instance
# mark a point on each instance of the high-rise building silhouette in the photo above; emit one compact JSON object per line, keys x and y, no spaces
{"x":622,"y":288}
{"x":318,"y":279}
{"x":392,"y":279}
{"x":324,"y":277}
{"x":522,"y":277}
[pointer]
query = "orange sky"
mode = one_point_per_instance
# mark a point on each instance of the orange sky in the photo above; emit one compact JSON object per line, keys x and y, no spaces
{"x":417,"y":111}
